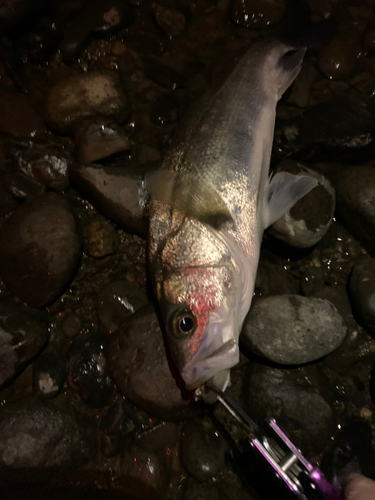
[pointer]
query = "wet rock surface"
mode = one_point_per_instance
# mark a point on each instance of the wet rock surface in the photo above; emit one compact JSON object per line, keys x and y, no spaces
{"x":85,"y":96}
{"x":18,"y":116}
{"x":137,"y":348}
{"x":39,"y":249}
{"x":100,"y":238}
{"x":22,"y":337}
{"x":49,"y":375}
{"x":307,"y":329}
{"x":362,"y":292}
{"x":117,"y":426}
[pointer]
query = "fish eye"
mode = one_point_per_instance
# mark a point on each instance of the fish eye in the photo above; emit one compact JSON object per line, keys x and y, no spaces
{"x":184,"y":323}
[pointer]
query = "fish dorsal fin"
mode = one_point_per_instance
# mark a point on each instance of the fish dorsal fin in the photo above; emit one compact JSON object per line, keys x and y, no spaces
{"x":189,"y":194}
{"x":284,"y":190}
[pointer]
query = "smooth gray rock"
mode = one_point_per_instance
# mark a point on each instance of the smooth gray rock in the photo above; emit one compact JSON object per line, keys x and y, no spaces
{"x":40,"y":248}
{"x":22,"y":337}
{"x":291,"y":329}
{"x":362,"y":292}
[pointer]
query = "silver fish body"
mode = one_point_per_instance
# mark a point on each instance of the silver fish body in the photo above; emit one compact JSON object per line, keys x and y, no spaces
{"x":204,"y":273}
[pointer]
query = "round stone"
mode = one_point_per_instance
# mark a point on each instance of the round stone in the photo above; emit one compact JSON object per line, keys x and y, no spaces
{"x":48,"y":375}
{"x":362,"y":292}
{"x":338,"y":58}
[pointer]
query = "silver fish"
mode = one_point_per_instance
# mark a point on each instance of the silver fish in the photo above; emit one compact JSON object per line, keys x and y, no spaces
{"x":210,"y":205}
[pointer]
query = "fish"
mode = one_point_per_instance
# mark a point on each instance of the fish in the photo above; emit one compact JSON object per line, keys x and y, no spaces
{"x":210,"y":204}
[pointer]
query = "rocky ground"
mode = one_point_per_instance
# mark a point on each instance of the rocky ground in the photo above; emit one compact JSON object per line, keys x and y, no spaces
{"x":90,"y":403}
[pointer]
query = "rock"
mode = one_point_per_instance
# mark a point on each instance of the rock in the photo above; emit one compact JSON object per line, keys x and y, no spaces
{"x":23,"y":187}
{"x":119,"y":194}
{"x":22,"y":337}
{"x":171,"y":21}
{"x":310,"y":218}
{"x":86,"y":368}
{"x":40,"y":248}
{"x":97,"y":139}
{"x":7,"y":202}
{"x":362,"y":292}
{"x":355,"y":188}
{"x":40,"y":438}
{"x":359,"y":487}
{"x":100,"y":238}
{"x":312,"y":280}
{"x":118,"y":300}
{"x":202,"y":449}
{"x":369,"y":38}
{"x":17,"y":115}
{"x":292,"y":397}
{"x":338,"y":58}
{"x":256,"y":14}
{"x":49,"y":375}
{"x":85,"y":96}
{"x":160,"y":437}
{"x":307,"y":329}
{"x":72,"y":325}
{"x":117,"y":426}
{"x":98,"y":16}
{"x":201,"y":491}
{"x":138,"y":364}
{"x":165,"y":109}
{"x":142,"y":473}
{"x":42,"y":162}
{"x":339,"y":130}
{"x":272,"y":277}
{"x":163,"y":75}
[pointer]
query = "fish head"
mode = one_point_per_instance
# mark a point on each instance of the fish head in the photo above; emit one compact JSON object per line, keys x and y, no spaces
{"x":200,"y":294}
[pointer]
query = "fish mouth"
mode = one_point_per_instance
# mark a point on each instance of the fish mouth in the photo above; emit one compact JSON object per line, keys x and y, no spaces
{"x":205,"y":366}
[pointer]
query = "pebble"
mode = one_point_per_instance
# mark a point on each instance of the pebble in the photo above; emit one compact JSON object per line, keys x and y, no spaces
{"x":362,"y":292}
{"x":98,"y":139}
{"x":202,"y":449}
{"x":118,"y":300}
{"x":165,"y":109}
{"x":310,"y":218}
{"x":23,"y":187}
{"x":49,"y":375}
{"x":355,"y":191}
{"x":163,"y":75}
{"x":22,"y":337}
{"x":117,"y":427}
{"x":41,"y":162}
{"x":162,"y":436}
{"x":293,"y":397}
{"x":359,"y":487}
{"x":86,"y":369}
{"x":139,"y":366}
{"x":100,"y":238}
{"x":119,"y":194}
{"x":201,"y":491}
{"x":272,"y":277}
{"x":71,"y":325}
{"x":99,"y":16}
{"x":171,"y":21}
{"x":40,"y":248}
{"x":17,"y":115}
{"x":40,"y":438}
{"x":7,"y":202}
{"x":256,"y":14}
{"x":338,"y":58}
{"x":85,"y":96}
{"x":308,"y":328}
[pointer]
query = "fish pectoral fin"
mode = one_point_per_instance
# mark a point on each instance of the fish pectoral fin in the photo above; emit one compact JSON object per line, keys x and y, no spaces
{"x":190,"y":195}
{"x":284,"y":190}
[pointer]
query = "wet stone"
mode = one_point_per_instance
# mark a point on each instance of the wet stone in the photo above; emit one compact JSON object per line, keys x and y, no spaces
{"x":163,"y":75}
{"x":85,"y":96}
{"x":293,"y":397}
{"x":49,"y":375}
{"x":86,"y":368}
{"x":23,"y":187}
{"x":40,"y":248}
{"x":308,"y":328}
{"x":369,"y":38}
{"x":22,"y":337}
{"x":17,"y":115}
{"x":362,"y":292}
{"x":338,"y":58}
{"x":163,"y":436}
{"x":355,"y":191}
{"x":71,"y":325}
{"x":118,"y":300}
{"x":201,"y":491}
{"x":165,"y":109}
{"x":7,"y":202}
{"x":171,"y":21}
{"x":256,"y":14}
{"x":100,"y":238}
{"x":139,"y":366}
{"x":97,"y":139}
{"x":119,"y":194}
{"x":40,"y":438}
{"x":44,"y":163}
{"x":117,"y":427}
{"x":310,"y":218}
{"x":202,"y":449}
{"x":18,"y":12}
